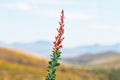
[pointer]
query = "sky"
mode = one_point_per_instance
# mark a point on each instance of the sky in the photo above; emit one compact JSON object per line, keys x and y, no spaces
{"x":87,"y":22}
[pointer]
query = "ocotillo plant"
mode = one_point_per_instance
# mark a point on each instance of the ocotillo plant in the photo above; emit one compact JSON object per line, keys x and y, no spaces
{"x":56,"y":53}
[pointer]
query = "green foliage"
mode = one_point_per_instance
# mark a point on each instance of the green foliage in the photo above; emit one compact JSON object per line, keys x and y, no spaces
{"x":115,"y":74}
{"x":53,"y":63}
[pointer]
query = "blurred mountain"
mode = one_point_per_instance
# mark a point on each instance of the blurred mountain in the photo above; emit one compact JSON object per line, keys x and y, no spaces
{"x":44,"y":48}
{"x":109,"y":59}
{"x":3,"y":44}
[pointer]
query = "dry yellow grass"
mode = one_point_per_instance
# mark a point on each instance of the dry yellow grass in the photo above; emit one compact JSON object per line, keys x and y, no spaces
{"x":19,"y":65}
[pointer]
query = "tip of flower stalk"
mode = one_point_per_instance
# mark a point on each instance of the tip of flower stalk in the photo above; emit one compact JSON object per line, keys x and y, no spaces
{"x":58,"y":39}
{"x":62,"y":12}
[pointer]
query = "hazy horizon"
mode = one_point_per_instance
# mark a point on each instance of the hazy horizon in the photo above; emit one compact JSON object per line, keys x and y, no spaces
{"x":87,"y":22}
{"x":47,"y":41}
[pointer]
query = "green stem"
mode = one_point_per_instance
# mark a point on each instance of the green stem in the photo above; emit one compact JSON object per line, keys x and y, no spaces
{"x":53,"y":63}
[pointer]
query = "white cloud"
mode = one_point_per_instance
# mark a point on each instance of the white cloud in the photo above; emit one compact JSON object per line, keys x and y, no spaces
{"x":29,"y":5}
{"x":100,"y":26}
{"x":49,"y":2}
{"x":69,"y":15}
{"x":104,"y":27}
{"x":21,"y":6}
{"x":77,"y":15}
{"x":62,"y":2}
{"x":88,"y":4}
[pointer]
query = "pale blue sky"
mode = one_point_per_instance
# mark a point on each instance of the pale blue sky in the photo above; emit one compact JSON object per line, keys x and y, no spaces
{"x":87,"y":22}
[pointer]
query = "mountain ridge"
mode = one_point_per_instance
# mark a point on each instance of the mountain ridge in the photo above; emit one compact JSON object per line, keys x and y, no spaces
{"x":44,"y":48}
{"x":108,"y":59}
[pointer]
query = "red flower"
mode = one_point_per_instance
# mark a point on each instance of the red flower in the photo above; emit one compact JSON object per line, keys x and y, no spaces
{"x":58,"y":39}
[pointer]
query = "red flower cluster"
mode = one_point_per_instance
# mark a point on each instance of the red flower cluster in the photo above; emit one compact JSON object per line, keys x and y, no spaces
{"x":58,"y":39}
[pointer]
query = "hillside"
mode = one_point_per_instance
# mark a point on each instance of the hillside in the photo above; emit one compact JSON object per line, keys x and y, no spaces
{"x":19,"y":65}
{"x":43,"y":48}
{"x":17,"y":56}
{"x":108,"y":59}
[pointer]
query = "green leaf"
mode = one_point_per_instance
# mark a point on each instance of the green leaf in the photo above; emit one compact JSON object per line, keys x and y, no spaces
{"x":50,"y":62}
{"x":53,"y":72}
{"x":49,"y":66}
{"x":58,"y":55}
{"x":57,"y":64}
{"x":58,"y":52}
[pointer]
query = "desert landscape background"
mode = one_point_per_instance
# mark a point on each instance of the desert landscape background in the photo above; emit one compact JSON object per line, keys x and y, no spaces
{"x":91,"y":48}
{"x":19,"y":62}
